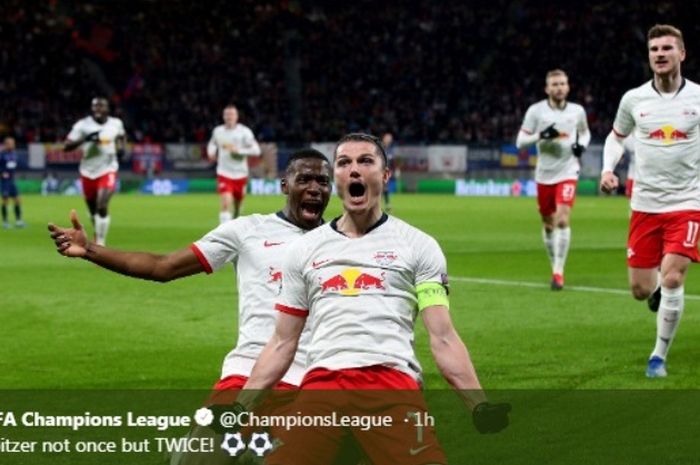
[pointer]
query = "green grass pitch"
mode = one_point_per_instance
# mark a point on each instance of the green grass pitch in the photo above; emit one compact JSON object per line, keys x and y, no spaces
{"x":69,"y":324}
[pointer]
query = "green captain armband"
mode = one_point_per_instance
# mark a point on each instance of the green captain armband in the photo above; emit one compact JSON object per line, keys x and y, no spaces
{"x":430,"y":294}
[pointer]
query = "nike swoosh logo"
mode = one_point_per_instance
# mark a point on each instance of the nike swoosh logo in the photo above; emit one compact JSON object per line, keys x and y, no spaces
{"x":270,"y":244}
{"x":319,"y":263}
{"x":418,"y":450}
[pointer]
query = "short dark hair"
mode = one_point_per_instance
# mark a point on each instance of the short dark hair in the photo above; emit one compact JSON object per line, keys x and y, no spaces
{"x":662,"y":30}
{"x":304,"y":154}
{"x":362,"y":137}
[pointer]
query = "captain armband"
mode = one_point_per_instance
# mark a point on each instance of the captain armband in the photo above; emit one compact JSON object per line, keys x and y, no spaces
{"x":430,"y":294}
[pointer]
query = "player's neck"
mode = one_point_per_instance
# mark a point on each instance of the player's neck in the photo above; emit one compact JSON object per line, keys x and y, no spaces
{"x":668,"y":83}
{"x":559,"y":105}
{"x":357,"y":223}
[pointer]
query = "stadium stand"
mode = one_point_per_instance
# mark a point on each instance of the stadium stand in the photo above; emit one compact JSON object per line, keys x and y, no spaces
{"x":430,"y":71}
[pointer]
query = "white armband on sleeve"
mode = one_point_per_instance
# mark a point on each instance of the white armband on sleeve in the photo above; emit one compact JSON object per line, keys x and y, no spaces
{"x":612,"y":151}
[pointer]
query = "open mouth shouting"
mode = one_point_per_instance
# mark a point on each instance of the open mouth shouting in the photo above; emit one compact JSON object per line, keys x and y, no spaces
{"x":310,"y":210}
{"x":357,"y":192}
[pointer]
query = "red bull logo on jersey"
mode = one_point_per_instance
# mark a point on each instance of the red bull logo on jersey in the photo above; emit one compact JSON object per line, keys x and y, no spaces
{"x":352,"y":282}
{"x":668,"y":134}
{"x":275,"y":278}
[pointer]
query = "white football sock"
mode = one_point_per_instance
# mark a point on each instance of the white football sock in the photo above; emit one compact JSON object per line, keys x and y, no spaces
{"x":667,"y":319}
{"x":548,"y":239}
{"x":224,"y":217}
{"x":101,"y":228}
{"x":562,"y":239}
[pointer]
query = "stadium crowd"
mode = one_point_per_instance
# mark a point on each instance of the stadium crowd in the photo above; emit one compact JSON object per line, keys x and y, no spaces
{"x":300,"y":70}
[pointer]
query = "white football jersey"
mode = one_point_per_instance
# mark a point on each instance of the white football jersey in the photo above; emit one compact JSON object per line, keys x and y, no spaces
{"x":555,"y":160}
{"x":359,"y":294}
{"x":100,"y":157}
{"x":667,"y":147}
{"x":256,"y":245}
{"x":232,"y":148}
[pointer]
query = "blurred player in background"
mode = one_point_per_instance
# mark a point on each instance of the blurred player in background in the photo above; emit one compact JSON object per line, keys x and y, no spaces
{"x":391,"y":153}
{"x":560,"y":130}
{"x":231,"y":144}
{"x":8,"y":187}
{"x":102,"y":139}
{"x":255,"y":244}
{"x":663,"y":114}
{"x":359,"y":283}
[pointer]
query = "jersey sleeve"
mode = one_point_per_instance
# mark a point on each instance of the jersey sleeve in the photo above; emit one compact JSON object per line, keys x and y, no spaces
{"x":211,"y":146}
{"x":121,"y":131}
{"x":529,"y":125}
{"x":431,"y":265}
{"x":76,"y":132}
{"x":582,"y":128}
{"x":221,"y":245}
{"x":250,"y":145}
{"x":294,"y":297}
{"x":624,"y":122}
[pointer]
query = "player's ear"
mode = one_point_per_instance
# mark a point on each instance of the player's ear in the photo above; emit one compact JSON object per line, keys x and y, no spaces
{"x":285,"y":185}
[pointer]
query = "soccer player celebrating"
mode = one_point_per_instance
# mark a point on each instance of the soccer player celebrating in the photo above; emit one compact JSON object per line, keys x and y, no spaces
{"x":102,"y":139}
{"x":359,"y":283}
{"x":231,"y":144}
{"x":256,"y":244}
{"x":560,"y":130}
{"x":8,"y":187}
{"x":663,"y":114}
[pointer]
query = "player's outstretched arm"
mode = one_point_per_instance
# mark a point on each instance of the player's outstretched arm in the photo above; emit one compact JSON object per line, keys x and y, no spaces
{"x":453,"y":361}
{"x":73,"y":242}
{"x":450,"y":353}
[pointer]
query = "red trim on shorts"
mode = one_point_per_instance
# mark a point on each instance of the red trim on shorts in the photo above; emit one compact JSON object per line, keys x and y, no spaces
{"x":618,"y":134}
{"x":529,"y":133}
{"x":362,"y":378}
{"x":230,"y":382}
{"x":202,"y":259}
{"x":292,"y":310}
{"x":225,"y":391}
{"x":238,"y":381}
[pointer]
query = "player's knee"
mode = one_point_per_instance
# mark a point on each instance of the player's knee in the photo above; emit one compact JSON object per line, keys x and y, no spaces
{"x":672,"y":279}
{"x":640,"y":292}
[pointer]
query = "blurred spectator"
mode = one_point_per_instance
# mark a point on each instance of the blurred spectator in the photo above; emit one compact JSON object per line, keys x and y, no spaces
{"x":50,"y":184}
{"x":306,"y":70}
